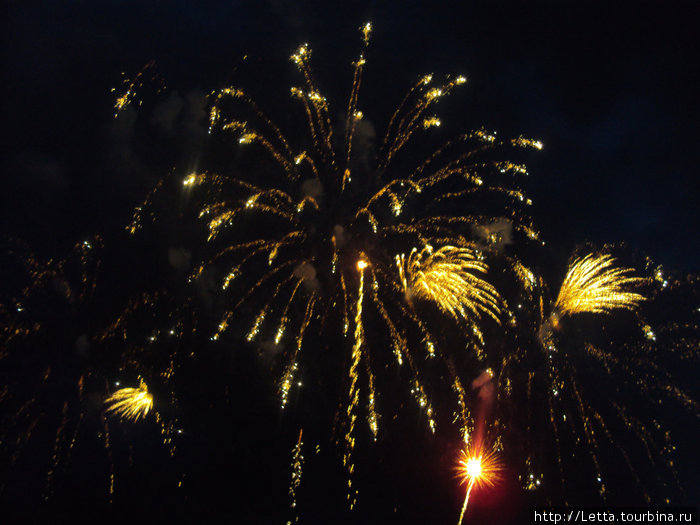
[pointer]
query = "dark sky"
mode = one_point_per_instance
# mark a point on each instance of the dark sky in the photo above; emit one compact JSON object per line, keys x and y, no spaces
{"x":610,"y":88}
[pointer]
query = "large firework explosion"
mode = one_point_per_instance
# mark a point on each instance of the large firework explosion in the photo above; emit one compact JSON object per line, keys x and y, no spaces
{"x":318,"y":237}
{"x":370,"y":277}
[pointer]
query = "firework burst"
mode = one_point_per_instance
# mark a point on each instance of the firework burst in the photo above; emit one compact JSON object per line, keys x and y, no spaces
{"x":324,"y":231}
{"x":130,"y":404}
{"x":447,"y":278}
{"x":594,"y":285}
{"x":477,"y":467}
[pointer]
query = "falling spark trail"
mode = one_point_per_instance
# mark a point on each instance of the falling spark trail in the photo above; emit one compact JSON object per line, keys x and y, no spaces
{"x":466,"y":501}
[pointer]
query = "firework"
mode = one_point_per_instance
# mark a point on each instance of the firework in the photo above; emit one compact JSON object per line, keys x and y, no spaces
{"x":129,"y":89}
{"x":446,"y":277}
{"x":297,"y":468}
{"x":477,"y":468}
{"x":626,"y":367}
{"x":314,"y":237}
{"x":130,"y":404}
{"x":334,"y":231}
{"x":593,"y":285}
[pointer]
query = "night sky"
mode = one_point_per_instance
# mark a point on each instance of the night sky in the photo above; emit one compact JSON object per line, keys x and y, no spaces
{"x":610,"y":88}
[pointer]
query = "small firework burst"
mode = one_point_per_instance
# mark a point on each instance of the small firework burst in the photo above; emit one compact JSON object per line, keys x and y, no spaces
{"x":130,"y":404}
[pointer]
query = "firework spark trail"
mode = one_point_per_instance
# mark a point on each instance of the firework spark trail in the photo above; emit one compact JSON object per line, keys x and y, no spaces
{"x":297,"y":468}
{"x":469,"y":487}
{"x":56,"y":451}
{"x":288,"y":377}
{"x":354,"y":392}
{"x":352,"y":114}
{"x":130,"y":86}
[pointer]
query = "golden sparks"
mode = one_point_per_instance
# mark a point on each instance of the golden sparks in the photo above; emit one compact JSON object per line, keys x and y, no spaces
{"x":130,"y":87}
{"x":446,"y":276}
{"x":304,"y":244}
{"x":592,"y":284}
{"x":297,"y":470}
{"x":324,"y":255}
{"x":130,"y":404}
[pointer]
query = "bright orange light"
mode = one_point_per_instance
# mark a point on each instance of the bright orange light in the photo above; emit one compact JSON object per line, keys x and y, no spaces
{"x":473,"y":467}
{"x":480,"y":466}
{"x":361,"y":264}
{"x":477,"y":467}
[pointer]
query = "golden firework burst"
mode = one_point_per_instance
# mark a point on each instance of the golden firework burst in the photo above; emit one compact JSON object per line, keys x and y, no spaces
{"x":592,"y":284}
{"x":446,"y":276}
{"x":130,"y":404}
